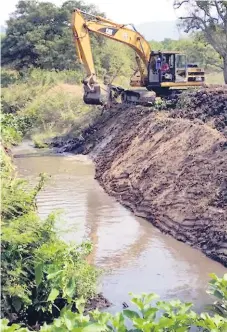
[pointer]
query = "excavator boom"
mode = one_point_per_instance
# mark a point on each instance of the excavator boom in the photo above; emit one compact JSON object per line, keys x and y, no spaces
{"x":157,"y":71}
{"x":118,"y":32}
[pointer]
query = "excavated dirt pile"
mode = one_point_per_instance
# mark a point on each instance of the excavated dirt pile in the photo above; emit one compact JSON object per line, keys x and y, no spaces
{"x":169,"y":167}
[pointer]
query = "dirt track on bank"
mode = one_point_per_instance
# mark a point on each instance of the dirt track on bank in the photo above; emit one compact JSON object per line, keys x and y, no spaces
{"x":169,"y":167}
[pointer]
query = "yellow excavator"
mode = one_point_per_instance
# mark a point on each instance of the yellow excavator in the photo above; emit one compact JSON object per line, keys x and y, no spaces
{"x":158,"y":71}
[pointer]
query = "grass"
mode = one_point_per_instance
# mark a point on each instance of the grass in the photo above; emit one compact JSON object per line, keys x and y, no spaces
{"x":215,"y":78}
{"x":52,"y":102}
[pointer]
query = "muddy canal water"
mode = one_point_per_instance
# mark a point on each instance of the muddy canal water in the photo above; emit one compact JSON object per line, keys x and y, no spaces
{"x":134,"y":255}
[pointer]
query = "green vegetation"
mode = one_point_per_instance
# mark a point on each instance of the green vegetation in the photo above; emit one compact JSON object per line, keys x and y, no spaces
{"x":148,"y":316}
{"x":196,"y":49}
{"x":43,"y":277}
{"x":210,"y":18}
{"x":40,"y":274}
{"x":41,"y":72}
{"x":47,"y":282}
{"x":218,"y":288}
{"x":38,"y":35}
{"x":42,"y":104}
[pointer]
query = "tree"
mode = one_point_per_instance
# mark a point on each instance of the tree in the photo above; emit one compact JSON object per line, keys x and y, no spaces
{"x":209,"y":17}
{"x":195,"y":47}
{"x":39,"y":35}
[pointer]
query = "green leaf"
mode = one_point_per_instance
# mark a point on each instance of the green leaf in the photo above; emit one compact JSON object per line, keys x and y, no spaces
{"x":53,"y":294}
{"x":96,"y":327}
{"x":68,"y":323}
{"x":80,"y":304}
{"x":165,"y":322}
{"x":131,"y":314}
{"x":150,"y":297}
{"x":182,"y":329}
{"x":53,"y":275}
{"x":218,"y":294}
{"x":150,"y":313}
{"x":38,"y":273}
{"x":70,"y":287}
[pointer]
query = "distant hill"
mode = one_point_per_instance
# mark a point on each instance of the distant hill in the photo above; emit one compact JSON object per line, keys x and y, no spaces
{"x":159,"y":30}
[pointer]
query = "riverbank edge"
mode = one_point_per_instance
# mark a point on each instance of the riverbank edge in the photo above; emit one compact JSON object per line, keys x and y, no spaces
{"x":80,"y":148}
{"x":98,"y":301}
{"x":91,"y":143}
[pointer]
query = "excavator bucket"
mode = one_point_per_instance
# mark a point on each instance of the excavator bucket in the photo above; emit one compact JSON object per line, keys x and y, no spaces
{"x":92,"y":97}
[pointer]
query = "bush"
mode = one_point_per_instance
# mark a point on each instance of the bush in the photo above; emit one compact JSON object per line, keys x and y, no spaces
{"x":50,"y":77}
{"x":57,"y":110}
{"x":173,"y":316}
{"x":40,"y":273}
{"x":218,"y":288}
{"x":38,"y":269}
{"x":44,"y":102}
{"x":9,"y":77}
{"x":17,"y":96}
{"x":14,"y":127}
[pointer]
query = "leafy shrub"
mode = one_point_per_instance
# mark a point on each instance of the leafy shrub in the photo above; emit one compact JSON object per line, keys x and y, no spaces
{"x":9,"y":77}
{"x":14,"y":127}
{"x":43,"y":102}
{"x":56,"y":110}
{"x":16,"y":200}
{"x":40,"y":273}
{"x":218,"y":288}
{"x":50,"y":77}
{"x":17,"y":96}
{"x":173,"y":316}
{"x":38,"y":268}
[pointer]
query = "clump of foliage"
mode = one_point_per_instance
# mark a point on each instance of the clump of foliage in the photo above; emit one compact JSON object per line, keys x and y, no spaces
{"x":218,"y":288}
{"x":38,"y":269}
{"x":14,"y":127}
{"x":9,"y":77}
{"x":40,"y":273}
{"x":42,"y":103}
{"x":56,"y":110}
{"x":148,"y":316}
{"x":208,"y":17}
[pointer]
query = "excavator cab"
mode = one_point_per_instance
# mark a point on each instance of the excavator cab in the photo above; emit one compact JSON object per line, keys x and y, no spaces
{"x":169,"y":69}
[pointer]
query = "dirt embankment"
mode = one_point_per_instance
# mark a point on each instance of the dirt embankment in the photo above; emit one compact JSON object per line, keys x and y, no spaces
{"x":168,"y":167}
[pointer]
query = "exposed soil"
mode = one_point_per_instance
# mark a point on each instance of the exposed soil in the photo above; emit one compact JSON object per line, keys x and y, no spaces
{"x":169,"y":167}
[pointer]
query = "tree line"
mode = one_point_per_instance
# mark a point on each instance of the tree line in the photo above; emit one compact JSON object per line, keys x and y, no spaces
{"x":39,"y":35}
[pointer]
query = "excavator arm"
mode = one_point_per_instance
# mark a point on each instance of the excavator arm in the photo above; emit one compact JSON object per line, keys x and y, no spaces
{"x":118,"y":32}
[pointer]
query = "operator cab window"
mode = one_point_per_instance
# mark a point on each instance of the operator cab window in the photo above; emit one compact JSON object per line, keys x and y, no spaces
{"x":181,"y":67}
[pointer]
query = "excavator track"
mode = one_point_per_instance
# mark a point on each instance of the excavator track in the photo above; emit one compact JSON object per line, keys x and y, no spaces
{"x":143,"y":97}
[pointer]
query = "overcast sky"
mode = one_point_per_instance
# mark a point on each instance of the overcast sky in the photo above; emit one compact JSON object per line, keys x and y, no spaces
{"x":121,"y":11}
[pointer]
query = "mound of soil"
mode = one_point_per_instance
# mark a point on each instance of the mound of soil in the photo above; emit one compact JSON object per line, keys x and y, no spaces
{"x":208,"y":105}
{"x":168,"y":167}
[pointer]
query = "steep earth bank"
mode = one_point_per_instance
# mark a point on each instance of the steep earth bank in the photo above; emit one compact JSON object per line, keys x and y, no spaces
{"x":169,"y":167}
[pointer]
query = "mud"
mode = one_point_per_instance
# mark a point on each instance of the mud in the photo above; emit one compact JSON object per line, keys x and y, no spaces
{"x":169,"y":167}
